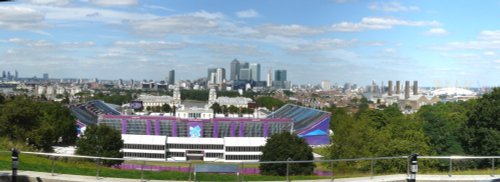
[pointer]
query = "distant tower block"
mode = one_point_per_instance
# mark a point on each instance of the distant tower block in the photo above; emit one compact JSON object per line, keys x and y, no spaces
{"x":415,"y":87}
{"x":407,"y":89}
{"x":398,"y":87}
{"x":389,"y":88}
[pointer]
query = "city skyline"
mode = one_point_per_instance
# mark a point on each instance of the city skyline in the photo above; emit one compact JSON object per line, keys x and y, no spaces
{"x":338,"y":40}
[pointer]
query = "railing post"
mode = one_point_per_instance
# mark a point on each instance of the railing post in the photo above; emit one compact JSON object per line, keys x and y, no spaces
{"x":492,"y":167}
{"x":142,"y":170}
{"x":97,"y":167}
{"x":240,"y":175}
{"x":15,"y":163}
{"x":288,"y":169}
{"x":189,"y":170}
{"x":53,"y":161}
{"x":371,"y":169}
{"x":451,"y":168}
{"x":408,"y":167}
{"x":414,"y":168}
{"x":331,"y":165}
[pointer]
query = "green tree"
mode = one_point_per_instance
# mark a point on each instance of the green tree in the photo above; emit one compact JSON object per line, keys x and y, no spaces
{"x":166,"y":108}
{"x":101,"y":141}
{"x":216,"y":108}
{"x":269,"y":102}
{"x":284,"y":146}
{"x":232,"y":109}
{"x":39,"y":124}
{"x":443,"y":125}
{"x":482,"y":130}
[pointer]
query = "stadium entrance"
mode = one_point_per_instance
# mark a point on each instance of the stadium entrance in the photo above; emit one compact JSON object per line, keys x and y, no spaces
{"x":192,"y":155}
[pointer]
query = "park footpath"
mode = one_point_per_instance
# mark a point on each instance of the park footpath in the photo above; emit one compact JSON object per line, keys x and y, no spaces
{"x":31,"y":176}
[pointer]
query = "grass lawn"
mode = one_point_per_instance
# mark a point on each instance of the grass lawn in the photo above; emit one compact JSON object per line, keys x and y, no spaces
{"x":43,"y":164}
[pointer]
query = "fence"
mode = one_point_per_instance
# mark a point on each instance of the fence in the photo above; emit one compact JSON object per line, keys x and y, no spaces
{"x":151,"y":169}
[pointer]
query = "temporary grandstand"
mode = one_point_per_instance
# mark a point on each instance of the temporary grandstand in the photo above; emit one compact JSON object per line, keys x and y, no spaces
{"x":214,"y":139}
{"x":89,"y":112}
{"x":311,"y":124}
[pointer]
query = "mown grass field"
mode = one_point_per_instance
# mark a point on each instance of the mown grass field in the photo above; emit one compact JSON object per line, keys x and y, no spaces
{"x":78,"y":167}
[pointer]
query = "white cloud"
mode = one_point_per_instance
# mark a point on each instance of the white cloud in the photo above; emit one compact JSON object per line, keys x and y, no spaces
{"x":114,"y":2}
{"x":391,"y":7}
{"x":390,"y":50}
{"x":77,"y":14}
{"x":344,"y":1}
{"x":377,"y":23}
{"x":20,"y":18}
{"x":228,"y":50}
{"x":150,"y":45}
{"x":322,"y":45}
{"x":489,"y":53}
{"x":461,"y":56}
{"x":292,"y":30}
{"x":158,"y":7}
{"x":489,"y":35}
{"x":436,"y":31}
{"x":192,"y":23}
{"x":46,"y":44}
{"x":487,"y":40}
{"x":49,"y":2}
{"x":250,"y":13}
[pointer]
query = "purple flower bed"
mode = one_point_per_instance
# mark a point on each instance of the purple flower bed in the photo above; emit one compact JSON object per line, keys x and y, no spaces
{"x":244,"y":171}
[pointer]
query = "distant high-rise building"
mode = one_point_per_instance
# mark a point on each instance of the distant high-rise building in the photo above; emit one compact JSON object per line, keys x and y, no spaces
{"x":16,"y":75}
{"x":235,"y":70}
{"x":9,"y":76}
{"x":245,"y":65}
{"x":216,"y":75}
{"x":171,"y":77}
{"x":415,"y":87}
{"x":279,"y":75}
{"x":245,"y":74}
{"x":280,"y":79}
{"x":269,"y":78}
{"x":407,"y":89}
{"x":220,"y":75}
{"x":210,"y":71}
{"x":374,"y":87}
{"x":389,"y":88}
{"x":326,"y":85}
{"x":347,"y":86}
{"x":398,"y":87}
{"x":255,"y":69}
{"x":4,"y":75}
{"x":45,"y":76}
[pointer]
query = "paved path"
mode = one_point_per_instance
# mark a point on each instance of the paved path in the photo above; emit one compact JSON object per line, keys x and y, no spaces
{"x":47,"y":177}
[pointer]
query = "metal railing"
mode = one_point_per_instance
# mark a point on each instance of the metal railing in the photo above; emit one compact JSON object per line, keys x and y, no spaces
{"x":330,"y":163}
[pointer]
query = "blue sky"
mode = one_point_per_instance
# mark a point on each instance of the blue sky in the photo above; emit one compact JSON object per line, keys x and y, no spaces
{"x":439,"y":43}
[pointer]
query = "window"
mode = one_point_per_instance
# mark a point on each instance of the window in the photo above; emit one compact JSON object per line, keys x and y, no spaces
{"x":243,"y":157}
{"x":195,"y":146}
{"x":166,"y":128}
{"x":144,"y":147}
{"x":113,"y":123}
{"x":244,"y":149}
{"x":144,"y":155}
{"x":137,"y":127}
{"x":214,"y":155}
{"x":208,"y":130}
{"x":175,"y":154}
{"x":224,"y":129}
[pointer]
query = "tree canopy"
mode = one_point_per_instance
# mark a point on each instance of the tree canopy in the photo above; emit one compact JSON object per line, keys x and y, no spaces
{"x":482,"y":129}
{"x":284,"y":146}
{"x":101,"y":141}
{"x":269,"y":102}
{"x":39,"y":124}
